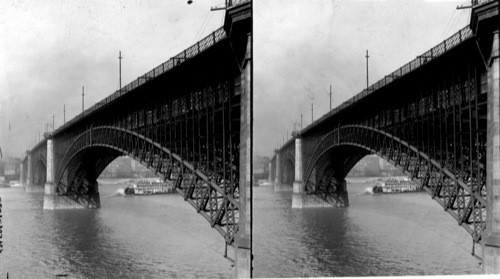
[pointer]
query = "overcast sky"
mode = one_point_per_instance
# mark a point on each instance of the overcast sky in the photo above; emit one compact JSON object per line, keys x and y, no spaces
{"x":49,"y":49}
{"x":301,"y":47}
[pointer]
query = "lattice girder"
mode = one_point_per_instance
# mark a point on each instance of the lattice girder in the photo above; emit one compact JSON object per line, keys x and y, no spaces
{"x":460,"y":198}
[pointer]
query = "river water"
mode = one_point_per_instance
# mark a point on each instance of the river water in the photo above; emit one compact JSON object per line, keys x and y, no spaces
{"x":377,"y":235}
{"x":163,"y":237}
{"x":128,"y":237}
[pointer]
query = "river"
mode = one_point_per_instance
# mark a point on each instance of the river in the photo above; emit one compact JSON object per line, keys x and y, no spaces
{"x":377,"y":235}
{"x":128,"y":237}
{"x":163,"y":237}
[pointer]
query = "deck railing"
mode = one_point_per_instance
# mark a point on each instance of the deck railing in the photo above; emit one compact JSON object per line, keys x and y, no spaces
{"x":454,"y":40}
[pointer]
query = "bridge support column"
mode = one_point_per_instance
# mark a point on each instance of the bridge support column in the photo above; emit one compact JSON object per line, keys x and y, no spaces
{"x":277,"y":175}
{"x":22,"y":178}
{"x":298,"y":185}
{"x":51,"y":199}
{"x":29,"y":173}
{"x":30,"y":188}
{"x":491,"y":236}
{"x":299,"y":197}
{"x":243,"y":239}
{"x":270,"y":178}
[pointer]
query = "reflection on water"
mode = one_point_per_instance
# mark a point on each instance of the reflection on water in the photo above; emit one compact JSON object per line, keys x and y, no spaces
{"x":377,"y":235}
{"x":129,"y":237}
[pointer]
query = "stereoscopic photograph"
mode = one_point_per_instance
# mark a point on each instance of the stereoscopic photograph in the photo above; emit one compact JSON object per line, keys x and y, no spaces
{"x":249,"y":139}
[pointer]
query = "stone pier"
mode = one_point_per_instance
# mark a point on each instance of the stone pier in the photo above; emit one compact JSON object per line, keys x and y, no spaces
{"x":484,"y":23}
{"x":51,"y":199}
{"x":300,"y":199}
{"x":29,"y":186}
{"x":22,"y":178}
{"x":491,"y":236}
{"x":278,"y":186}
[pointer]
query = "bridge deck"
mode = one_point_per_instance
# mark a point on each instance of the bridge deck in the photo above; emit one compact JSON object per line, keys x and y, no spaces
{"x":453,"y":41}
{"x":187,"y":54}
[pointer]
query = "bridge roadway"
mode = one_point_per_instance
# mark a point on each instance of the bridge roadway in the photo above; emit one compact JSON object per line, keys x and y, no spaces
{"x":188,"y":120}
{"x":437,"y":119}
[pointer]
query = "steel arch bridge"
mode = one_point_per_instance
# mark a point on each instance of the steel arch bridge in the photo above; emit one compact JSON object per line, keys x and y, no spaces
{"x":187,"y":120}
{"x":434,"y":118}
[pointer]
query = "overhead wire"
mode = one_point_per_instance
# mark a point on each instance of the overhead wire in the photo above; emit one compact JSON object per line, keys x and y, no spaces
{"x":196,"y":38}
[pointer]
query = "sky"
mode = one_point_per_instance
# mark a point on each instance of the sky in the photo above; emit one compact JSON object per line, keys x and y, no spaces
{"x":302,"y":47}
{"x":49,"y":49}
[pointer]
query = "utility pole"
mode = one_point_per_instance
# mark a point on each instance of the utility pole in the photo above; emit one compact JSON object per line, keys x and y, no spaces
{"x":120,"y":59}
{"x":64,"y":114}
{"x":301,"y":122}
{"x":53,"y":124}
{"x":367,"y":70}
{"x":312,"y":112}
{"x":330,"y":97}
{"x":83,"y":98}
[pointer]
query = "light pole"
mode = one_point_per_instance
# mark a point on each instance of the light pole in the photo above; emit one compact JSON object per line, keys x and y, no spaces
{"x":367,"y":70}
{"x":330,"y":97}
{"x":83,"y":98}
{"x":120,"y":69}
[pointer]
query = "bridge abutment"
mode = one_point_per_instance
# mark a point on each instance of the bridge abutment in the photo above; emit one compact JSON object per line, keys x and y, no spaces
{"x":484,"y":23}
{"x":238,"y":24}
{"x":491,"y":238}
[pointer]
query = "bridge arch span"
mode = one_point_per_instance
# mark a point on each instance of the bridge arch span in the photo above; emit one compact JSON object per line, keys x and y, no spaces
{"x":40,"y":170}
{"x":288,"y":173}
{"x":90,"y":153}
{"x":342,"y":148}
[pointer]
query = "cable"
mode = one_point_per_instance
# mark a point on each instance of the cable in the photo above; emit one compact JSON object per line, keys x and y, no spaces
{"x":196,"y":38}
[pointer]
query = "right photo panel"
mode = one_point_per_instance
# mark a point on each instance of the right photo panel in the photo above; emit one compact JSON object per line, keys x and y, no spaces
{"x":376,"y":138}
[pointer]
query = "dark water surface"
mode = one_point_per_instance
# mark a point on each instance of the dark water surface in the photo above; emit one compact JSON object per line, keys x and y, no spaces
{"x":129,"y":237}
{"x":377,"y":235}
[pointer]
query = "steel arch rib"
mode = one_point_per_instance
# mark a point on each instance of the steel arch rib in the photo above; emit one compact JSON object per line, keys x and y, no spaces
{"x":352,"y":135}
{"x":84,"y":141}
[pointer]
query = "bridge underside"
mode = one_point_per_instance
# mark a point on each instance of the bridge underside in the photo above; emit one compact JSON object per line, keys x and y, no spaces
{"x":188,"y":133}
{"x":431,"y":124}
{"x":40,"y":173}
{"x":79,"y":181}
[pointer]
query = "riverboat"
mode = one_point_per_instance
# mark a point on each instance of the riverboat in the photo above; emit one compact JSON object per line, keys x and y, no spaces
{"x":396,"y":185}
{"x":146,"y":187}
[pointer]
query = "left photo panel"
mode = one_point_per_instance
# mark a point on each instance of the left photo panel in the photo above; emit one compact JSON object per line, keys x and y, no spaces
{"x":126,"y":139}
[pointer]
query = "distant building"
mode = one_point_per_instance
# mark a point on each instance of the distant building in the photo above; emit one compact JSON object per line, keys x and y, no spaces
{"x":260,"y":167}
{"x":374,"y":165}
{"x":126,"y":167}
{"x":10,"y":169}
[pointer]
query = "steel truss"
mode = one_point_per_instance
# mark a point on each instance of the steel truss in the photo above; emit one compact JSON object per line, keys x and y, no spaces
{"x":462,"y":197}
{"x":431,"y":123}
{"x":191,"y":139}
